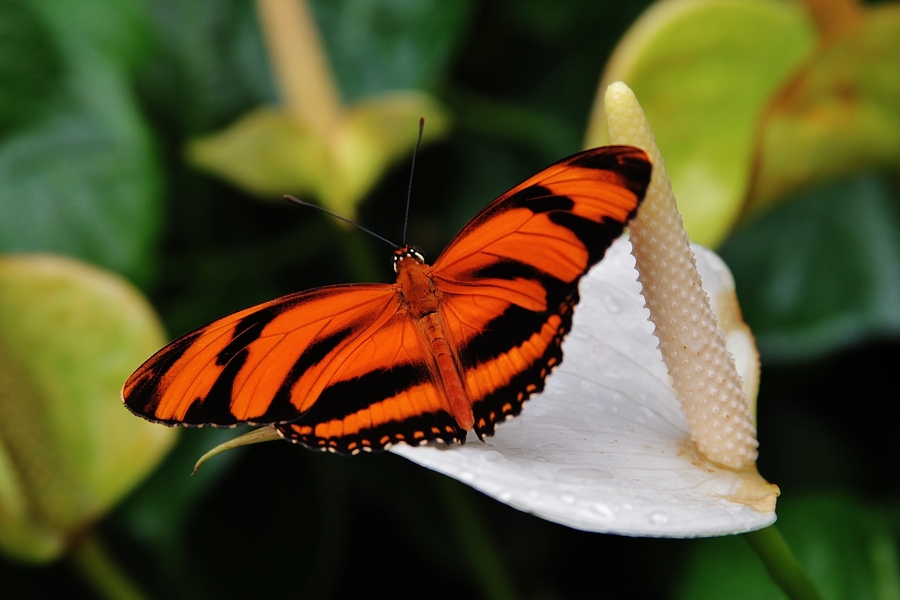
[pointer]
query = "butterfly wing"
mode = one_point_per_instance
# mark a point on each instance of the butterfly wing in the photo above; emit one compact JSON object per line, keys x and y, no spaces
{"x":509,"y":280}
{"x":338,"y":368}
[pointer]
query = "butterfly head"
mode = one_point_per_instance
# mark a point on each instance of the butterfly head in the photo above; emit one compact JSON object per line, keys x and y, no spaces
{"x":407,"y":252}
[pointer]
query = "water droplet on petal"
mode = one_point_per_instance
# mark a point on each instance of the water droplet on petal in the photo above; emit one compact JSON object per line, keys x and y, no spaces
{"x":658,"y":518}
{"x":611,"y":304}
{"x":603,"y":511}
{"x":492,"y":456}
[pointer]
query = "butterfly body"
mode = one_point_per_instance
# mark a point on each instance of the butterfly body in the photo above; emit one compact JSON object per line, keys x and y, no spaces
{"x":420,"y":297}
{"x":447,"y":348}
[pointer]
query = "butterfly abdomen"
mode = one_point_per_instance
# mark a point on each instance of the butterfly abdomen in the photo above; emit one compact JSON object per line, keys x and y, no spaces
{"x":419,"y":292}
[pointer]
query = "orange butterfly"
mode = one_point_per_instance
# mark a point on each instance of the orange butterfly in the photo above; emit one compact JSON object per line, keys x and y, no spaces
{"x":449,"y":347}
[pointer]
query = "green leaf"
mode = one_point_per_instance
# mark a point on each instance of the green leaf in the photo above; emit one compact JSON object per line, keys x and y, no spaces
{"x":844,"y":545}
{"x":84,"y":182}
{"x":210,"y":62}
{"x":84,"y":179}
{"x":30,"y":65}
{"x":381,"y":45}
{"x":820,"y":271}
{"x":265,"y":152}
{"x":70,"y":335}
{"x":838,"y":115}
{"x":703,"y":71}
{"x":114,"y":30}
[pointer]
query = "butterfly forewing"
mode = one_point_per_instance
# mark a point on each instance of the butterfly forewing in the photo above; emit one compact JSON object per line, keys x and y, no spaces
{"x":247,"y":367}
{"x":509,"y":280}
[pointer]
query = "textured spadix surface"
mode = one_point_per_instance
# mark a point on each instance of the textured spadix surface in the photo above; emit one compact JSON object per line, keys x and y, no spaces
{"x":606,"y":447}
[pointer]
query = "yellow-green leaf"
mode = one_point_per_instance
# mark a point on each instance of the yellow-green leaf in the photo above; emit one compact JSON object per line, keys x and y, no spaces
{"x":704,"y":71}
{"x":265,"y":152}
{"x":269,"y":153}
{"x":69,"y":336}
{"x":839,"y":114}
{"x":377,"y":132}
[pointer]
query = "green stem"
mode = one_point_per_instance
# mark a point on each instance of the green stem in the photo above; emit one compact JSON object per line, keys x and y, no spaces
{"x":477,"y":545}
{"x":782,"y":565}
{"x":101,"y":571}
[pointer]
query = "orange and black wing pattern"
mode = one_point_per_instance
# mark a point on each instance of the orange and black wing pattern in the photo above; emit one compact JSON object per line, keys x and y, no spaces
{"x":339,"y":368}
{"x":360,"y":367}
{"x":509,"y":280}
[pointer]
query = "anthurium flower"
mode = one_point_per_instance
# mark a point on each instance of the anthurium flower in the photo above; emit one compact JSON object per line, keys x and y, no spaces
{"x":647,"y":427}
{"x":69,"y":334}
{"x":625,"y":438}
{"x":312,"y":144}
{"x":606,"y":447}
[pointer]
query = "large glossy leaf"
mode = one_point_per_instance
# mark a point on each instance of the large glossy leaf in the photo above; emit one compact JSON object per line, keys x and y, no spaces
{"x":84,"y":180}
{"x":30,"y":64}
{"x":116,"y":30}
{"x":69,"y":336}
{"x":210,"y":62}
{"x":822,"y":270}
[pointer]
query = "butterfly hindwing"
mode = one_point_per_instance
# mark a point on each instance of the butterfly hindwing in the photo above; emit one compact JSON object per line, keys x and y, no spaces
{"x":385,"y":391}
{"x":509,"y":280}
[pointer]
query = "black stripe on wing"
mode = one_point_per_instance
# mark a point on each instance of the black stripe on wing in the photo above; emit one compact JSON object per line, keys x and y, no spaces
{"x":595,"y":236}
{"x":146,"y":392}
{"x":506,"y":401}
{"x":630,"y":165}
{"x":215,"y":408}
{"x":344,"y":398}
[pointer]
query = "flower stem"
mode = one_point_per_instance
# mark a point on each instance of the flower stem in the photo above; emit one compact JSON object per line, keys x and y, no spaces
{"x":782,"y":565}
{"x":305,"y":80}
{"x":101,"y":571}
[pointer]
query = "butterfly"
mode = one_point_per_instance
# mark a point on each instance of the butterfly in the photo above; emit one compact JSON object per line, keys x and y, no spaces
{"x":447,"y":348}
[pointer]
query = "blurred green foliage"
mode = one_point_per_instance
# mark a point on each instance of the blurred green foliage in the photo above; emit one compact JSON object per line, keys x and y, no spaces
{"x":827,"y":529}
{"x":98,"y":100}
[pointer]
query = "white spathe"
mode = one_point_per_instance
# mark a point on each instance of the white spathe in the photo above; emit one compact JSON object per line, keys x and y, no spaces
{"x":606,"y":447}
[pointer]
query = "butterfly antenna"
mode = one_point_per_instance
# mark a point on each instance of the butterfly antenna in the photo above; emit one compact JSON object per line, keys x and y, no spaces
{"x":411,"y":171}
{"x":345,"y":219}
